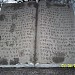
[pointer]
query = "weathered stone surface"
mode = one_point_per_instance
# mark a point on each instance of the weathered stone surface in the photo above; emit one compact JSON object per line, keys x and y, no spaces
{"x":3,"y":61}
{"x":58,"y":59}
{"x":2,"y":17}
{"x":17,"y":33}
{"x":37,"y":71}
{"x":55,"y":34}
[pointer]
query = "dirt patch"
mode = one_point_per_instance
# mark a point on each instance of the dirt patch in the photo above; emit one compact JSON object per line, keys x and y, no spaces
{"x":14,"y":62}
{"x":3,"y":61}
{"x":58,"y":59}
{"x":2,"y":17}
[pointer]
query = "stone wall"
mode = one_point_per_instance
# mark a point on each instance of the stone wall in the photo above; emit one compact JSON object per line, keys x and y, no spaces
{"x":55,"y":34}
{"x":17,"y":33}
